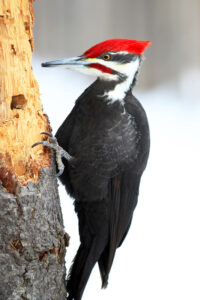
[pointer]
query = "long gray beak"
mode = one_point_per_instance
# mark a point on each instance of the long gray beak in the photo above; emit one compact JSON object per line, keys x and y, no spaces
{"x":74,"y":61}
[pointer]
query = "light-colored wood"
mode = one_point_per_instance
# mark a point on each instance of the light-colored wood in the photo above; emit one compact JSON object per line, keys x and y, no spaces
{"x":21,"y":116}
{"x":32,"y":236}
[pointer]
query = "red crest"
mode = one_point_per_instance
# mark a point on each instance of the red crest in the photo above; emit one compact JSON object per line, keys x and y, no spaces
{"x":116,"y":45}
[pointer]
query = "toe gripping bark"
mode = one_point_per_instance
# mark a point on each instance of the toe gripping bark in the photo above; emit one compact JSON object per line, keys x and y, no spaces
{"x":59,"y":151}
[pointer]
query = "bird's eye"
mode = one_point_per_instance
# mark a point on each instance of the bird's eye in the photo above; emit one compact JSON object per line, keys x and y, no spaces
{"x":106,"y":57}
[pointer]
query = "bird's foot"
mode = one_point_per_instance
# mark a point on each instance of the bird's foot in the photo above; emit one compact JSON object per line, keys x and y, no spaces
{"x":59,"y":151}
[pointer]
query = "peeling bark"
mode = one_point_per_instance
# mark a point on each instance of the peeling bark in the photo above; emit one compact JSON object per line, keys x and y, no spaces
{"x":32,"y":247}
{"x":32,"y":237}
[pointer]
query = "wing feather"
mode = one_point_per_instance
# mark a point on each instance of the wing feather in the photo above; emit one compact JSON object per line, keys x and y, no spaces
{"x":122,"y":199}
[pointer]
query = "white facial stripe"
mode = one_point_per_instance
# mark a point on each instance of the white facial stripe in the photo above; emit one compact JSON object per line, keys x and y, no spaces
{"x":127,"y":69}
{"x":120,"y":89}
{"x":109,"y":64}
{"x":92,"y":71}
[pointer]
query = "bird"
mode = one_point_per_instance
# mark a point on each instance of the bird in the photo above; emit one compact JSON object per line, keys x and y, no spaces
{"x":102,"y":149}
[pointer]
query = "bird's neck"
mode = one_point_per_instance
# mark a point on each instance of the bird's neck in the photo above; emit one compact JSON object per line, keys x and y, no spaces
{"x":112,"y":91}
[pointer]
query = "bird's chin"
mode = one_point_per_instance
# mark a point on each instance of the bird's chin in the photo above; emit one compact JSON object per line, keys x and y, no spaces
{"x":94,"y":72}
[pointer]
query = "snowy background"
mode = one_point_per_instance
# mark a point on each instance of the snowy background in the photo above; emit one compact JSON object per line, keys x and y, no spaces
{"x":160,"y":258}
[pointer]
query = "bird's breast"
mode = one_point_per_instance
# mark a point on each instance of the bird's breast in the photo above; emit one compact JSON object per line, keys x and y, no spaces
{"x":110,"y":128}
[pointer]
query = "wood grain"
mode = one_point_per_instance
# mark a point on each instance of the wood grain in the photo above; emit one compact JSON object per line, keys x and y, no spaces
{"x":21,"y":115}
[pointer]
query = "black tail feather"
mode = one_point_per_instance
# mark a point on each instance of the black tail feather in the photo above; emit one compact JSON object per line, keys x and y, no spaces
{"x":103,"y":273}
{"x":84,"y":262}
{"x":103,"y":267}
{"x":74,"y":274}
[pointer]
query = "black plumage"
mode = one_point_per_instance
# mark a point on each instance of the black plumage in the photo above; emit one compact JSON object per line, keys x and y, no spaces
{"x":109,"y":143}
{"x":104,"y":144}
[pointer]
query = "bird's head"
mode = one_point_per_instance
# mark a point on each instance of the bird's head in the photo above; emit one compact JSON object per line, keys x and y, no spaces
{"x":111,"y":60}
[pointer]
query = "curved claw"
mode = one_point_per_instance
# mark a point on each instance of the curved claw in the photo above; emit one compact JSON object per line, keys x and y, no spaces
{"x":47,"y":133}
{"x":36,"y":144}
{"x":59,"y":173}
{"x":53,"y":138}
{"x":42,"y":142}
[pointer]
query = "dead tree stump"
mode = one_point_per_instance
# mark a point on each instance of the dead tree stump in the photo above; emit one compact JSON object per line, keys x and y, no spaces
{"x":32,"y":237}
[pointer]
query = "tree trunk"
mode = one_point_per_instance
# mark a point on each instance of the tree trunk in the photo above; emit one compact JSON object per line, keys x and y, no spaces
{"x":32,"y":238}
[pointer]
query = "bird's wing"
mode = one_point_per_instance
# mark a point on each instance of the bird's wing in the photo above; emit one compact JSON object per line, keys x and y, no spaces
{"x":123,"y":191}
{"x":122,"y":199}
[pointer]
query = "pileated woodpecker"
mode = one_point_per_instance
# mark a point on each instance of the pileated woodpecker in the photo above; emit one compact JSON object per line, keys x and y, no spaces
{"x":105,"y":145}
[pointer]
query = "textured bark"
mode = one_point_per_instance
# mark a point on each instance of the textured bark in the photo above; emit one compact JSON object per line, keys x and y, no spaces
{"x":32,"y":238}
{"x":32,"y":246}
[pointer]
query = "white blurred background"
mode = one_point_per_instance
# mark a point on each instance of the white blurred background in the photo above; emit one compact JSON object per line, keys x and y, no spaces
{"x":160,"y":258}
